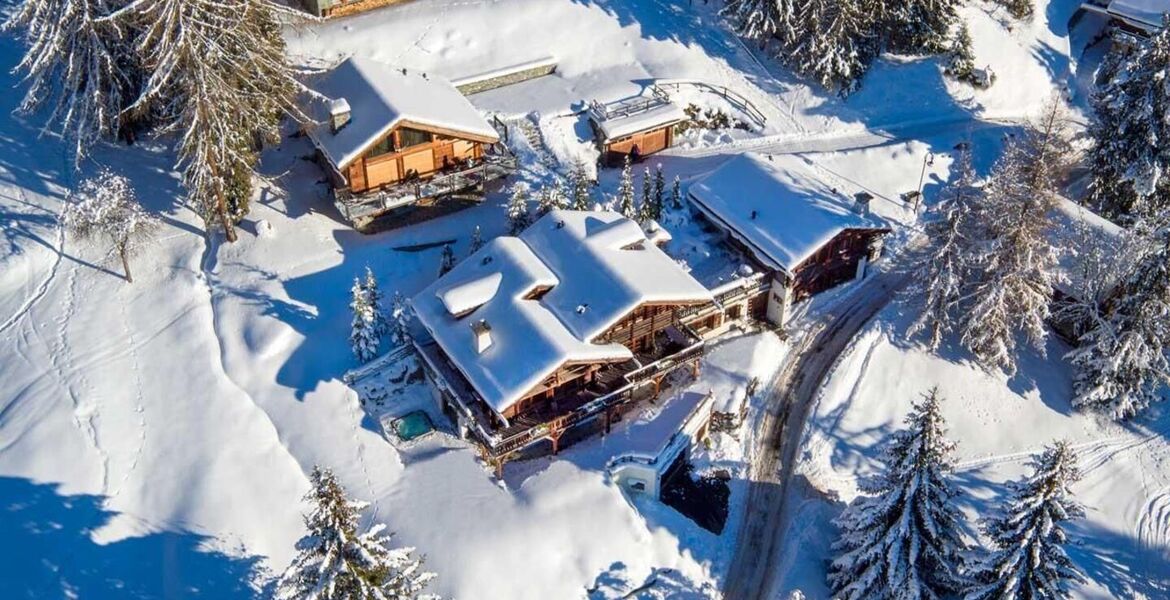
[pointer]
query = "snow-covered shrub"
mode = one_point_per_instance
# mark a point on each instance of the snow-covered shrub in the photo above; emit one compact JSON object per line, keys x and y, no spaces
{"x":105,"y":206}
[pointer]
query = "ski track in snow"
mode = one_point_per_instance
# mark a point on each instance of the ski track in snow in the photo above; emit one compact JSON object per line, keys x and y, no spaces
{"x":361,"y":452}
{"x":1152,"y":531}
{"x":43,"y":287}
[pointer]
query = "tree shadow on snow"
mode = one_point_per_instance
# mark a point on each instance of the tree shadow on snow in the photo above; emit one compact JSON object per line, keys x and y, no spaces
{"x":49,"y":553}
{"x":1126,"y":565}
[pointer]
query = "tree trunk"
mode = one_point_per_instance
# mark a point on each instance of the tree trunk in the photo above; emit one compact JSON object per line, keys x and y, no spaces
{"x":125,"y":262}
{"x":229,"y":229}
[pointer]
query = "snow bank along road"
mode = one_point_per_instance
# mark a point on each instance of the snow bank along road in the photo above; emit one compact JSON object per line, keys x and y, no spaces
{"x":779,"y":428}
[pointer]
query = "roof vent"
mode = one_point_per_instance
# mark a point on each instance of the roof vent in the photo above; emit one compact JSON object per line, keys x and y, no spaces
{"x":483,"y":335}
{"x":560,"y":224}
{"x":339,"y":114}
{"x":404,"y":70}
{"x":861,"y":202}
{"x":487,"y":260}
{"x":755,"y":214}
{"x":581,"y":308}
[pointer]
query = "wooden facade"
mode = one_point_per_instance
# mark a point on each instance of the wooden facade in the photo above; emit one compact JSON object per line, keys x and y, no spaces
{"x":636,"y":146}
{"x":409,"y":152}
{"x":834,"y":263}
{"x":636,"y":331}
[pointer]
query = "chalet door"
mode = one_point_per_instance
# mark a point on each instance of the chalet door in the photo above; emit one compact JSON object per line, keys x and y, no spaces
{"x":653,"y":141}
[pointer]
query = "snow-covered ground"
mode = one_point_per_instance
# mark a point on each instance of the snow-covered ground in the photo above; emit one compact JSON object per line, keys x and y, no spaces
{"x":1123,"y":544}
{"x":154,"y":437}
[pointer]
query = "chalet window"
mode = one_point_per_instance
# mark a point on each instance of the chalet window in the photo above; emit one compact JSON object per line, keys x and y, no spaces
{"x":383,"y":147}
{"x":412,"y":137}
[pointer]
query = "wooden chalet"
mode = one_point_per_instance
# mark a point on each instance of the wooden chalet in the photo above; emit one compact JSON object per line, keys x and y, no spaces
{"x":1138,"y":18}
{"x":804,"y":234}
{"x":393,"y":141}
{"x":634,"y":127}
{"x":338,"y":8}
{"x":536,"y":336}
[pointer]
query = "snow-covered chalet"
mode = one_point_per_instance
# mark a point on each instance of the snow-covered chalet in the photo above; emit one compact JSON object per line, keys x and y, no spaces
{"x":398,"y":145}
{"x":552,"y":333}
{"x":634,"y":127}
{"x":799,"y":231}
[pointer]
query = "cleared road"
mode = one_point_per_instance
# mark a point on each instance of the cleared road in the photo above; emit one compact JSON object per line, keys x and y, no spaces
{"x":779,"y":429}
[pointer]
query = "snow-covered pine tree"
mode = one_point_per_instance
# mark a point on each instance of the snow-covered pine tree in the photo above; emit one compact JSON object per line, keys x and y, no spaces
{"x":1121,"y":362}
{"x":105,"y":206}
{"x":659,"y":192}
{"x":476,"y":241}
{"x":646,"y":209}
{"x":836,"y":44}
{"x":580,"y":187}
{"x":625,"y":193}
{"x":762,"y":20}
{"x":919,"y":26}
{"x":904,"y":537}
{"x":1129,"y":158}
{"x":518,"y":218}
{"x":374,"y":298}
{"x":1020,"y":9}
{"x":551,"y":197}
{"x":78,"y":63}
{"x":960,"y":57}
{"x":219,"y":80}
{"x":676,"y":193}
{"x":400,"y":321}
{"x":363,"y":333}
{"x":447,"y":260}
{"x":941,"y":276}
{"x":1016,"y":262}
{"x":1028,"y":559}
{"x":335,"y":562}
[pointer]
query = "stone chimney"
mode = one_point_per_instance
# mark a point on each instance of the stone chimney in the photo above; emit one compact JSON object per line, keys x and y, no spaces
{"x":339,"y":114}
{"x":483,"y":335}
{"x":861,"y":202}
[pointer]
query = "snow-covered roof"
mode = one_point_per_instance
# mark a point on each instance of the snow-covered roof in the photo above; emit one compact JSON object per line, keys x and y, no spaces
{"x":1140,"y":12}
{"x":381,"y":97}
{"x":596,"y":267}
{"x":1074,"y":228}
{"x":776,"y":207}
{"x":617,"y":125}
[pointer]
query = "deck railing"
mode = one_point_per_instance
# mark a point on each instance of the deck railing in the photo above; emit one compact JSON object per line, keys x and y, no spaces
{"x":629,"y":106}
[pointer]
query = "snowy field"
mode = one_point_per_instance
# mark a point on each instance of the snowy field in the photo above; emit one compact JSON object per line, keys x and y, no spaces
{"x":1123,"y":544}
{"x":154,"y":437}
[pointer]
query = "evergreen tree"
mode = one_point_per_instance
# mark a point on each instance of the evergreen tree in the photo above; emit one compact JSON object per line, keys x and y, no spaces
{"x":836,"y":45}
{"x":374,"y":298}
{"x":960,"y":57}
{"x":903,"y":539}
{"x":919,"y":26}
{"x":106,"y":206}
{"x":659,"y":193}
{"x":447,"y":260}
{"x":941,"y":276}
{"x":676,"y":193}
{"x":762,"y":20}
{"x":646,"y":210}
{"x":335,"y":562}
{"x":79,"y":64}
{"x":476,"y":241}
{"x":400,"y":317}
{"x":1121,"y":362}
{"x":518,"y":218}
{"x":218,"y":79}
{"x":1020,"y":9}
{"x":580,"y":185}
{"x":552,"y":197}
{"x":363,"y":335}
{"x":625,"y":194}
{"x":1016,"y":263}
{"x":1028,"y":559}
{"x":1130,"y":157}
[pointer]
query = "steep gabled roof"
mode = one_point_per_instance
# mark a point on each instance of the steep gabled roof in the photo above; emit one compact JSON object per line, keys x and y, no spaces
{"x":381,"y":97}
{"x":776,"y":207}
{"x":545,"y":296}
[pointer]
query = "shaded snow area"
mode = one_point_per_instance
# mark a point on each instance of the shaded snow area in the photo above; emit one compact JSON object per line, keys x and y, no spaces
{"x":1123,"y":544}
{"x":155,"y":436}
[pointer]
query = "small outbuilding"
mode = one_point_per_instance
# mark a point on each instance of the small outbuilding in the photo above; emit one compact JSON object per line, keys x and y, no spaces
{"x":634,"y":127}
{"x":804,"y":233}
{"x":1137,"y":17}
{"x":337,"y":8}
{"x":391,"y":139}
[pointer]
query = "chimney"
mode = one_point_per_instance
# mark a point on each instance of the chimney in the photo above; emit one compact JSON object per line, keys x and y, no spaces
{"x":339,"y":114}
{"x":483,"y":335}
{"x":861,"y":203}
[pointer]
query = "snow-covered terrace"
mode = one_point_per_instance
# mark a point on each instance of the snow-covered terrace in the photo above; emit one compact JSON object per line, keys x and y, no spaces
{"x":776,"y":207}
{"x":544,"y":297}
{"x":628,"y":116}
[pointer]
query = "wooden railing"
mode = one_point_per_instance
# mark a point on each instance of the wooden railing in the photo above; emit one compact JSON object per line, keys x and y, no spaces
{"x":629,"y":106}
{"x":736,"y":99}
